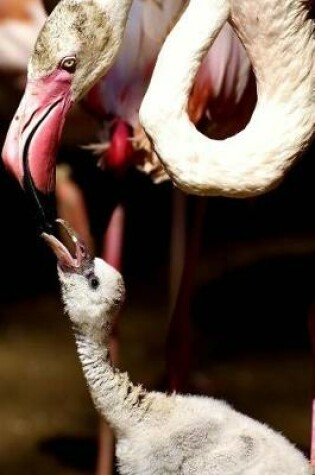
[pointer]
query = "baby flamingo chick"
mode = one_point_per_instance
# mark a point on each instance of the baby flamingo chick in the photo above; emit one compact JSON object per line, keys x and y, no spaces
{"x":157,"y":434}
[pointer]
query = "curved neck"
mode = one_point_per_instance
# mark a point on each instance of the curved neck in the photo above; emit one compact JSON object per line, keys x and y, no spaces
{"x":115,"y":397}
{"x":279,"y":39}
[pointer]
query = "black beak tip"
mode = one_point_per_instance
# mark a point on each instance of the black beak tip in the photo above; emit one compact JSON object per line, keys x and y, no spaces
{"x":43,"y":208}
{"x":45,"y":226}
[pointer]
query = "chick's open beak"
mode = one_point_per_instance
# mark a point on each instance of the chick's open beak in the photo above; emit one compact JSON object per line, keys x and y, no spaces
{"x":71,"y":252}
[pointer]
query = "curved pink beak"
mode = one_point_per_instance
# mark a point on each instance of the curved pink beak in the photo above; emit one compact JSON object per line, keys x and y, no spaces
{"x":29,"y":151}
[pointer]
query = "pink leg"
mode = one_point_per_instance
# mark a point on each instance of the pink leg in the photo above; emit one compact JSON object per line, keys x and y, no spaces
{"x":312,"y":337}
{"x":179,"y":336}
{"x":177,"y":245}
{"x":106,"y":449}
{"x":71,"y":204}
{"x":111,"y":253}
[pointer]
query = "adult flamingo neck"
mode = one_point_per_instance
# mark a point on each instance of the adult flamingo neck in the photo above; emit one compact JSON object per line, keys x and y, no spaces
{"x":279,"y":39}
{"x":116,"y":12}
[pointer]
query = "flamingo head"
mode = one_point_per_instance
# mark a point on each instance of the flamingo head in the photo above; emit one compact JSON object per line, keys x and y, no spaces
{"x":75,"y":47}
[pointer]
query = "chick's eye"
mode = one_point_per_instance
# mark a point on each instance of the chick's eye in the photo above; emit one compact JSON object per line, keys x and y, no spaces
{"x":69,"y":64}
{"x":94,"y":282}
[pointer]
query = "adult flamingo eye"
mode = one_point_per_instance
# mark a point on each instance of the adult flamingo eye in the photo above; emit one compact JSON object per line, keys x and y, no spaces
{"x":69,"y":64}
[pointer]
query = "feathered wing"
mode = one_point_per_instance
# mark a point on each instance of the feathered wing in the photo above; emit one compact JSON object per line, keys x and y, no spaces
{"x":223,"y":93}
{"x":221,"y":85}
{"x":149,"y":22}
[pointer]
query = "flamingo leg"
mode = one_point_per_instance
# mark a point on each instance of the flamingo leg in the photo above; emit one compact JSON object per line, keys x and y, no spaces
{"x":179,"y":340}
{"x":311,"y":322}
{"x":106,"y":449}
{"x":112,"y":252}
{"x":71,"y":204}
{"x":177,"y":244}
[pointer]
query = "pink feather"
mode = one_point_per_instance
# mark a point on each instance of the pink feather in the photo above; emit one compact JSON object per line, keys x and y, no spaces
{"x":220,"y":85}
{"x":222,"y":81}
{"x":124,"y":87}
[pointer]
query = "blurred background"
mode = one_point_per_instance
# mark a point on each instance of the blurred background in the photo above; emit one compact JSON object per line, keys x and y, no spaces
{"x":251,"y":304}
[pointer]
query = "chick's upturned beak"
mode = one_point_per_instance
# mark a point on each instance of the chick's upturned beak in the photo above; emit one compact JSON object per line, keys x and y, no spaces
{"x":72,"y":254}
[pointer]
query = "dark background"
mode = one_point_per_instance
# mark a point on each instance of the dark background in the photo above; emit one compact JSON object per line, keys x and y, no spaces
{"x":256,"y":265}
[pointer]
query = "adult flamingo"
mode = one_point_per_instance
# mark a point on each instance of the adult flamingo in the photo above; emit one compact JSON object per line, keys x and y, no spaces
{"x":279,"y":40}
